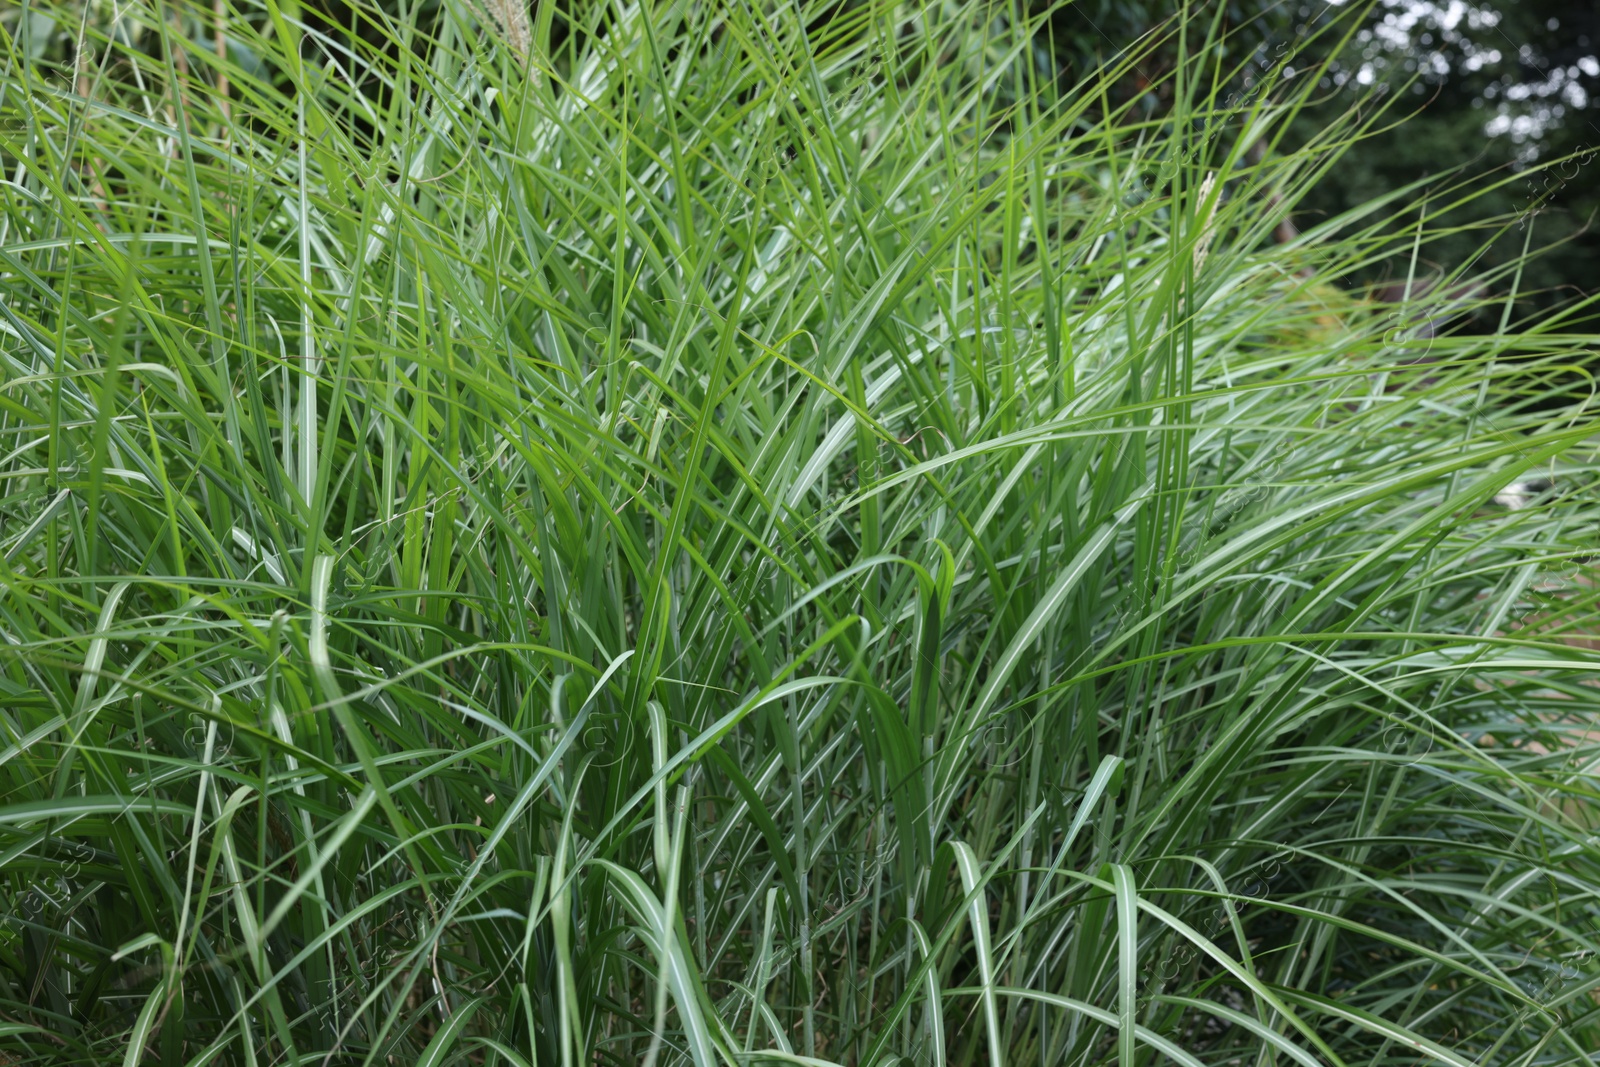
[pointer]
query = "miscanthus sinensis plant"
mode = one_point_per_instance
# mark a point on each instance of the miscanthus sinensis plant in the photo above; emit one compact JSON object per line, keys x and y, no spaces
{"x":710,"y":534}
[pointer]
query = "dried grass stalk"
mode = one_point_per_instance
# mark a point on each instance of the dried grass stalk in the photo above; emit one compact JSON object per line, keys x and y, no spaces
{"x":512,"y":18}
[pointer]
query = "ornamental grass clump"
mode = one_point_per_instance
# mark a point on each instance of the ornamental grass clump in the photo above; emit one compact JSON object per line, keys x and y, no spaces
{"x":711,"y":533}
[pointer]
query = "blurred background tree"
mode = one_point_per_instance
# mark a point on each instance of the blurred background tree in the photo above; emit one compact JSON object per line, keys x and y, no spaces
{"x":1484,"y":92}
{"x":1494,"y":91}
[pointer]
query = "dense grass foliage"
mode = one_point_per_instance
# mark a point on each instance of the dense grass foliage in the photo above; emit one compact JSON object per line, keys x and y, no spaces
{"x":719,"y":534}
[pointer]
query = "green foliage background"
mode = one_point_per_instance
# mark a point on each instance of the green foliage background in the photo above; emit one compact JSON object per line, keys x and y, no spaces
{"x":735,"y":534}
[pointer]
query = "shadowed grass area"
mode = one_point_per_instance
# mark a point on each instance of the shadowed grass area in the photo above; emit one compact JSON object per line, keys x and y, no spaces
{"x":744,"y":536}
